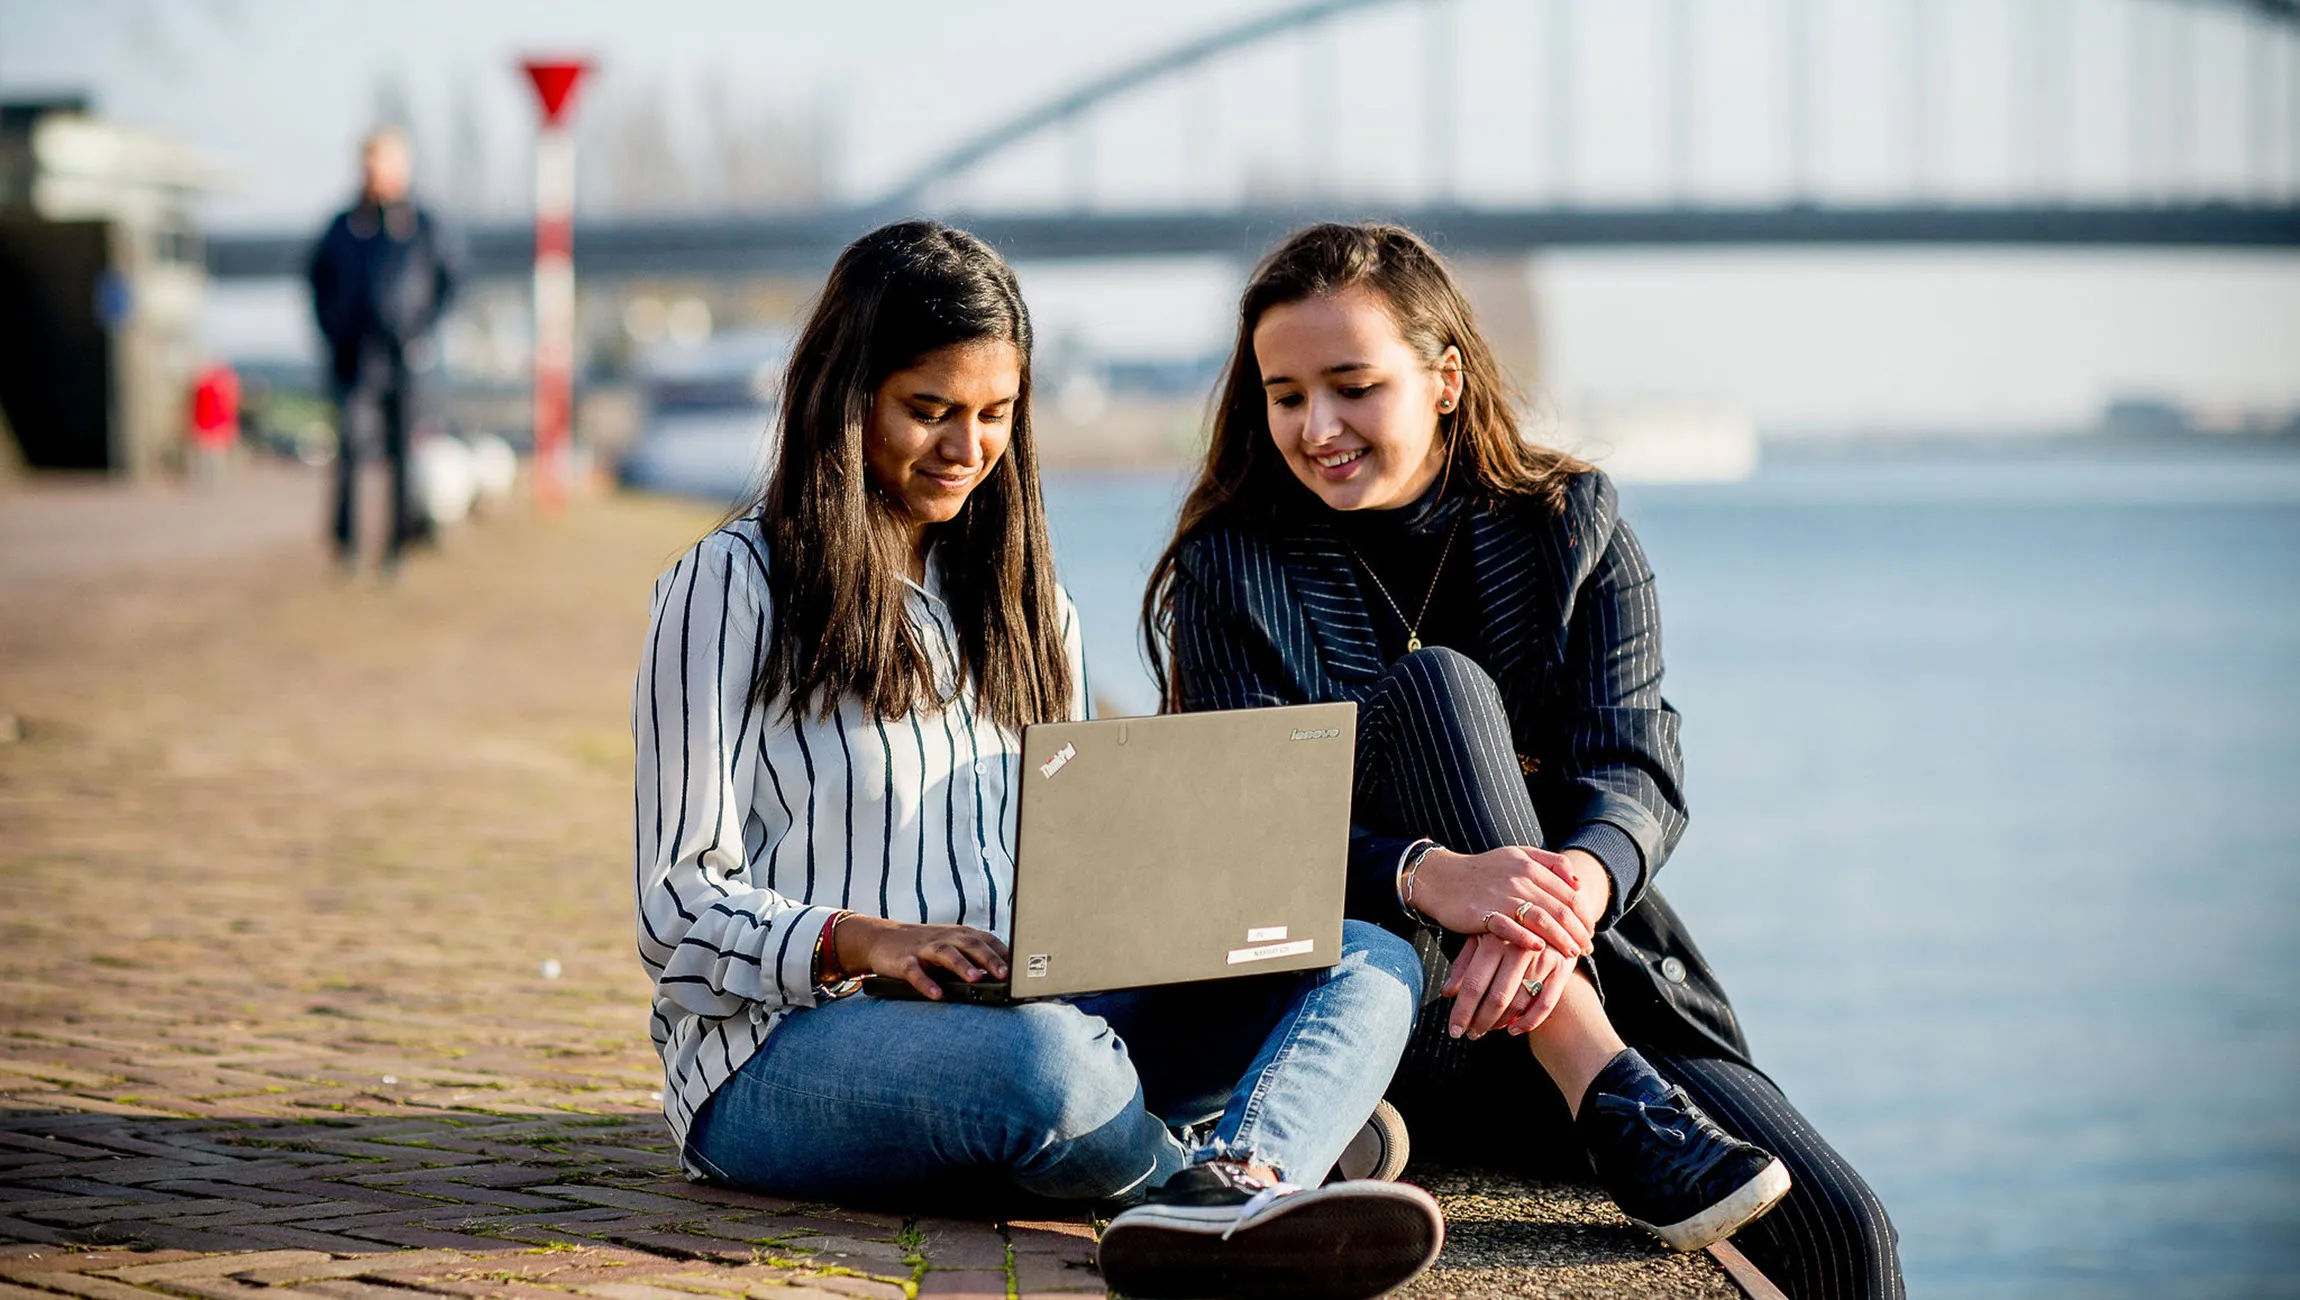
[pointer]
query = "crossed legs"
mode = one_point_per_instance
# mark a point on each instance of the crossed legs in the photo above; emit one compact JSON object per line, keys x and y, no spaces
{"x":862,"y":1099}
{"x":1436,"y":759}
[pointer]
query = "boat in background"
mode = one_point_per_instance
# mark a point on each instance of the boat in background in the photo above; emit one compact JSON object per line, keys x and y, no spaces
{"x":708,"y":414}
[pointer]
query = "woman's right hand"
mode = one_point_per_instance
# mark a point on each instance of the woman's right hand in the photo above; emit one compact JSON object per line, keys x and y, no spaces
{"x":1481,"y":893}
{"x":870,"y":945}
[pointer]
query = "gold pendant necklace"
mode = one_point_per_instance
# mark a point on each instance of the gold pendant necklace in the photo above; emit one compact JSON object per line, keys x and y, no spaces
{"x":1413,"y":629}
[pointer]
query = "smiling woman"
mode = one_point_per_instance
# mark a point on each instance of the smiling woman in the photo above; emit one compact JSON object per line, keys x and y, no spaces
{"x":1340,"y":378}
{"x":906,"y":431}
{"x":828,"y":727}
{"x":1370,"y":525}
{"x":937,"y":427}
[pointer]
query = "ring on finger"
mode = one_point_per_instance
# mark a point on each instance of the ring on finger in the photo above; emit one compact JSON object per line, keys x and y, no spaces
{"x":1523,"y":908}
{"x":1487,"y":921}
{"x":1532,"y":987}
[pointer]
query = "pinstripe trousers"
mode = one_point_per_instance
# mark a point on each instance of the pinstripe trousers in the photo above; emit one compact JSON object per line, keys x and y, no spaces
{"x":1435,"y":759}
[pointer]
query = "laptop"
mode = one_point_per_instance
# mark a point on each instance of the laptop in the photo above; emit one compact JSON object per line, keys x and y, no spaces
{"x":1187,"y":846}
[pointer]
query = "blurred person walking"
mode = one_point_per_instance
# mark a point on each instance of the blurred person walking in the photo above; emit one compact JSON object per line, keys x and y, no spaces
{"x":381,"y":278}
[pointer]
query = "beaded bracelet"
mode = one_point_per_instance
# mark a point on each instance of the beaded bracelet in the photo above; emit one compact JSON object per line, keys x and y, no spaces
{"x":828,"y":972}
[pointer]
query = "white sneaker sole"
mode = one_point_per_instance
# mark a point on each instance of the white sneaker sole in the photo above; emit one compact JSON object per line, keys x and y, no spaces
{"x":1727,"y":1216}
{"x":1379,"y":1151}
{"x":1343,"y":1241}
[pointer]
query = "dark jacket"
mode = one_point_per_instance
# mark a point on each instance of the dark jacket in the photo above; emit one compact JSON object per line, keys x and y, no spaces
{"x":380,"y":280}
{"x":1571,"y":634}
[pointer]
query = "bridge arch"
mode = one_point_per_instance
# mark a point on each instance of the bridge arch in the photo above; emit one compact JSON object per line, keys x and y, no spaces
{"x":1083,"y":98}
{"x":1073,"y":104}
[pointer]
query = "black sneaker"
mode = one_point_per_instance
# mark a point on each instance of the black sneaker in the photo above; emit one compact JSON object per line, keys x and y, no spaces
{"x":1666,"y":1164}
{"x":1379,"y":1150}
{"x":1215,"y":1231}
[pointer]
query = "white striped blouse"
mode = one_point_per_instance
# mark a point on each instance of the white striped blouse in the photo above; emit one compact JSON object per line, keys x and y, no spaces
{"x":753,"y":827}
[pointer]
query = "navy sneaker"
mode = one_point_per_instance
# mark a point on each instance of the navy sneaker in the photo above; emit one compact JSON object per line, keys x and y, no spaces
{"x":1666,"y":1164}
{"x":1215,"y":1231}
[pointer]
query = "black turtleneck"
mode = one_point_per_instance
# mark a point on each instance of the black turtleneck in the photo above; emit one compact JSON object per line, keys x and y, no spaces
{"x":1402,"y":547}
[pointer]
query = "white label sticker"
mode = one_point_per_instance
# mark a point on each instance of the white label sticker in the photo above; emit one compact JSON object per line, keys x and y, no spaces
{"x":1270,"y":951}
{"x":1055,"y":764}
{"x":1266,"y":934}
{"x":1035,"y":968}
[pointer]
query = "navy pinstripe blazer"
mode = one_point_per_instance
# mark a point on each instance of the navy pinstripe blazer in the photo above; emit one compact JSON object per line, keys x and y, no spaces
{"x":1571,"y":635}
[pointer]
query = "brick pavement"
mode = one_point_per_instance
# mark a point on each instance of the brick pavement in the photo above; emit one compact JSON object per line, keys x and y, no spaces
{"x":316,"y":971}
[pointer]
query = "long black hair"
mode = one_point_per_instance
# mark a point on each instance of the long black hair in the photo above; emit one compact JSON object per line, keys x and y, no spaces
{"x":838,"y":548}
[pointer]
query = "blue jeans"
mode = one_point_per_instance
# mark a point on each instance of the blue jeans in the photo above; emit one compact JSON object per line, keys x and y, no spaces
{"x":1076,"y":1100}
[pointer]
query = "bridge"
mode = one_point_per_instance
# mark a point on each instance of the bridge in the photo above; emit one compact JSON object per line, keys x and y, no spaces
{"x":2155,"y":194}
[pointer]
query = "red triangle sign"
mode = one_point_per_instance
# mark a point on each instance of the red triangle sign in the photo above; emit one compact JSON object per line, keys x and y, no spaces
{"x":555,"y":84}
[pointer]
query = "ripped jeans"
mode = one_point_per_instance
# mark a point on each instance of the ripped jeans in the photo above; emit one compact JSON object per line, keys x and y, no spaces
{"x":1078,"y":1100}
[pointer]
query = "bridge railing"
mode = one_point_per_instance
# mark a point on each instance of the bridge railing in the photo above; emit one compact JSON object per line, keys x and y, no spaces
{"x":2155,"y":196}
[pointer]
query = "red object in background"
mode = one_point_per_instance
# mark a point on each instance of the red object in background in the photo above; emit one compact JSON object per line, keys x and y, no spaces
{"x":555,"y":84}
{"x":216,"y":407}
{"x":555,"y":81}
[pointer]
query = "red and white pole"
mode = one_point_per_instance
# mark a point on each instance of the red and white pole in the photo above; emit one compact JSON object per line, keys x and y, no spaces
{"x":554,"y":82}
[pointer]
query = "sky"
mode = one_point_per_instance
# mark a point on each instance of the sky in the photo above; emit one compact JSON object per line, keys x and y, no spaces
{"x":2019,"y":99}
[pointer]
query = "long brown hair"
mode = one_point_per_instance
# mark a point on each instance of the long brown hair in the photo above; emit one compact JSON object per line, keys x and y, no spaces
{"x":1245,"y":480}
{"x":837,"y":549}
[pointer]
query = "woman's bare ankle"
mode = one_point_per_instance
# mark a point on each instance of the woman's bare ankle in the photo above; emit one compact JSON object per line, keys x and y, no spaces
{"x":1261,"y":1173}
{"x":1576,"y":1041}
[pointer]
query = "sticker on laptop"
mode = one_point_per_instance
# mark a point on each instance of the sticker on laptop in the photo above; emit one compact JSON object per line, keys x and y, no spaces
{"x":1061,"y":758}
{"x":1266,"y":934}
{"x":1270,"y":951}
{"x":1035,"y":967}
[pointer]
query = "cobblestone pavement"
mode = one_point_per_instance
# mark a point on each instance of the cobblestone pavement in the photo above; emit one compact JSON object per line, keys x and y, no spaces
{"x":315,"y":965}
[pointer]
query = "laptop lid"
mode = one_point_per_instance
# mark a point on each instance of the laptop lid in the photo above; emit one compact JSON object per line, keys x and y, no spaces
{"x":1186,"y":846}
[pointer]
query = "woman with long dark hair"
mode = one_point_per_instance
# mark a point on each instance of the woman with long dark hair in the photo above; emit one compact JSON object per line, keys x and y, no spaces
{"x":828,"y":721}
{"x":1371,"y":525}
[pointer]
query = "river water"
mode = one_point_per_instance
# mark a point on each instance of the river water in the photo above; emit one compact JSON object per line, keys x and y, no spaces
{"x":1995,"y":835}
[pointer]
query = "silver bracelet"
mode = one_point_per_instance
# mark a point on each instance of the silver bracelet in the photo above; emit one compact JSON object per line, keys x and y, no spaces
{"x":1410,"y":863}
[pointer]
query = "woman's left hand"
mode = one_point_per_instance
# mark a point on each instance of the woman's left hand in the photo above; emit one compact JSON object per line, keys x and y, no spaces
{"x":1488,"y":985}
